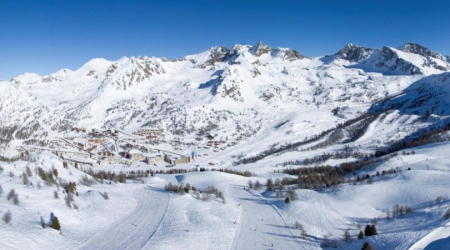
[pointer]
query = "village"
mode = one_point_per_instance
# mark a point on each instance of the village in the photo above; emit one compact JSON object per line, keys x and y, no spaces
{"x":97,"y":148}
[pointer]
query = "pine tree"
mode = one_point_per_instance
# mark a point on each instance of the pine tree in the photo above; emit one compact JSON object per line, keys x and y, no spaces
{"x":257,"y":184}
{"x":360,"y":235}
{"x":270,"y":184}
{"x":55,"y":224}
{"x":373,"y":230}
{"x":250,"y":184}
{"x":366,"y":246}
{"x":367,"y":230}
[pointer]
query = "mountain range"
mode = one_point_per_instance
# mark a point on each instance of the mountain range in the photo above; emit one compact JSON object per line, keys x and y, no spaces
{"x":249,"y":147}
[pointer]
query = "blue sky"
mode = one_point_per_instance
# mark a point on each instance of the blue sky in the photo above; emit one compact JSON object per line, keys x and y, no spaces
{"x":45,"y":36}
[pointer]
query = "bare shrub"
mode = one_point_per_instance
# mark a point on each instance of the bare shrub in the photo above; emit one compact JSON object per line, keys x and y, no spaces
{"x":348,"y":236}
{"x":69,"y":199}
{"x":293,"y":195}
{"x":7,"y":217}
{"x":16,"y":199}
{"x":29,"y":172}
{"x":11,"y":194}
{"x":25,"y":179}
{"x":87,"y":181}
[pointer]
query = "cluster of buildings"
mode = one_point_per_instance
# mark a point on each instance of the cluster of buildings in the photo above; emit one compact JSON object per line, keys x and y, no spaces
{"x":94,"y":141}
{"x":218,"y":145}
{"x":151,"y":158}
{"x":149,"y":133}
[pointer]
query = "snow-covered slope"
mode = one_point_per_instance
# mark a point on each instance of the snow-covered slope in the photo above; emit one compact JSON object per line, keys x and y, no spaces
{"x":248,"y":108}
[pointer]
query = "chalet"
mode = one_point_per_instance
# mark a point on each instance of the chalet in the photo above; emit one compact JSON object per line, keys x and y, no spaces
{"x":80,"y":142}
{"x":106,"y":153}
{"x":92,"y":148}
{"x":137,"y":157}
{"x":155,"y":159}
{"x":125,"y":155}
{"x":177,"y":159}
{"x":98,"y":140}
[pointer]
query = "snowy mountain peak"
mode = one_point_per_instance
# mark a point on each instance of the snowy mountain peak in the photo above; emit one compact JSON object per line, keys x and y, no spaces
{"x":27,"y":78}
{"x":354,"y":53}
{"x":128,"y":71}
{"x":240,"y":48}
{"x":415,"y":48}
{"x":259,"y":49}
{"x":393,"y":61}
{"x":58,"y":76}
{"x":418,"y":49}
{"x":33,"y":78}
{"x":210,"y":57}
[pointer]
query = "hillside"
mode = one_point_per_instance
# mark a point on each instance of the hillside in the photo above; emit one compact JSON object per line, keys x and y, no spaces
{"x":346,"y":137}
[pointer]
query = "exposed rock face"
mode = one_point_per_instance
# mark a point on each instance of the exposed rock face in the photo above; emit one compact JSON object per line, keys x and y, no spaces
{"x":260,"y":49}
{"x":354,"y":53}
{"x":135,"y":70}
{"x":218,"y":54}
{"x":418,"y":49}
{"x":228,"y":85}
{"x":424,"y":97}
{"x":390,"y":60}
{"x":292,"y":55}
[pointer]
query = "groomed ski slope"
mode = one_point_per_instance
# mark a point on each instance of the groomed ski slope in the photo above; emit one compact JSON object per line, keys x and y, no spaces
{"x":144,"y":216}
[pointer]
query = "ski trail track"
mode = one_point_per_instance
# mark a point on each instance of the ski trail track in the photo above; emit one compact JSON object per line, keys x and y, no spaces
{"x":136,"y":228}
{"x":259,"y":227}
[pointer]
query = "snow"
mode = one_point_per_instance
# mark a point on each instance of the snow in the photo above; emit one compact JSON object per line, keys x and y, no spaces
{"x":143,"y":215}
{"x":258,"y":102}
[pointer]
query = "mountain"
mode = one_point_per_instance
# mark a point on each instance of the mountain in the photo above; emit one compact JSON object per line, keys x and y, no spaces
{"x":32,"y":78}
{"x":393,"y":61}
{"x":428,"y":96}
{"x":423,"y":51}
{"x":263,"y":146}
{"x":131,"y":93}
{"x":354,"y":53}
